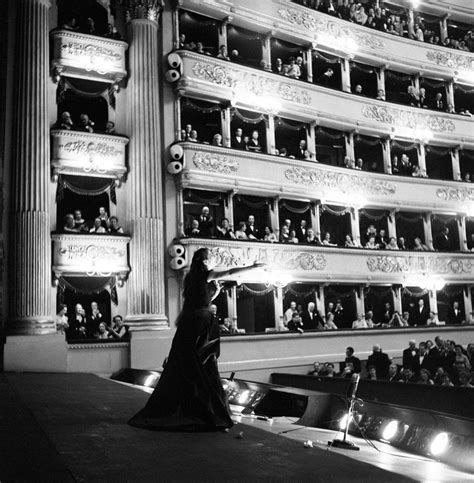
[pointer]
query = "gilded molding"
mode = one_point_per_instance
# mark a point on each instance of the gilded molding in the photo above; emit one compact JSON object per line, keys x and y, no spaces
{"x":98,"y":56}
{"x":90,"y":252}
{"x":144,"y":9}
{"x":273,"y":257}
{"x":215,"y":163}
{"x":91,"y":148}
{"x":247,"y":82}
{"x":450,"y":59}
{"x":330,"y":28}
{"x":405,"y":118}
{"x":419,"y":264}
{"x":455,"y":194}
{"x":345,"y":183}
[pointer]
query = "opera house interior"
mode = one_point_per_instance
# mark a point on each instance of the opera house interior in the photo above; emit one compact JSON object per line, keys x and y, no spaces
{"x":330,"y":140}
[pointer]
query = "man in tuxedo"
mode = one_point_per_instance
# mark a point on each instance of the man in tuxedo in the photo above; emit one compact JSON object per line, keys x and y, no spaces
{"x":352,"y":359}
{"x":393,"y":375}
{"x":302,"y":231}
{"x":301,"y":152}
{"x":287,"y":316}
{"x":252,"y":232}
{"x":406,"y":168}
{"x":421,"y":313}
{"x":237,"y":141}
{"x":93,"y":320}
{"x":277,"y":67}
{"x":206,"y":222}
{"x":311,"y":320}
{"x":442,"y":241}
{"x":455,"y":315}
{"x":78,"y":324}
{"x":339,"y":315}
{"x":438,"y":103}
{"x":381,"y":239}
{"x":424,"y":360}
{"x":379,"y":360}
{"x":325,"y":79}
{"x":410,"y":355}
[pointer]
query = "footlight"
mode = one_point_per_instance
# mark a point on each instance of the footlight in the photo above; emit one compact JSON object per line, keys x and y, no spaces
{"x":439,"y":444}
{"x":243,"y":397}
{"x":343,"y":422}
{"x":390,"y":431}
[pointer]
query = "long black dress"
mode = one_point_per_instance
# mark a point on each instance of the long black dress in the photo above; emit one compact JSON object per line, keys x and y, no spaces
{"x":189,"y":395}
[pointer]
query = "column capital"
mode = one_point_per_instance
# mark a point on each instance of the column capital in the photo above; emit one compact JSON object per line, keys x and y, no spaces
{"x":143,"y":9}
{"x":46,"y":3}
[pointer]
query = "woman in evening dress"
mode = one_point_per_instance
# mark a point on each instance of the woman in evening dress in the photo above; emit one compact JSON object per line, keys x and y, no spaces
{"x":189,"y":395}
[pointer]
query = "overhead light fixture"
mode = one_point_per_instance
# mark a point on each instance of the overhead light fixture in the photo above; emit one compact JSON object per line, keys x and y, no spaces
{"x":390,"y":430}
{"x":439,"y":444}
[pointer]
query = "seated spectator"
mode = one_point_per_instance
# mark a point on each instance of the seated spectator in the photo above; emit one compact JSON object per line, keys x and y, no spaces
{"x":353,"y":360}
{"x":380,"y":95}
{"x":315,"y":370}
{"x":465,"y":379}
{"x":393,"y":375}
{"x":360,"y":17}
{"x":327,"y":240}
{"x":222,"y":54}
{"x":284,"y":234}
{"x":200,"y":49}
{"x":329,"y":370}
{"x":392,"y":244}
{"x":193,"y":231}
{"x":349,"y":163}
{"x":263,"y":64}
{"x":227,"y":327}
{"x":224,"y":230}
{"x":433,"y":319}
{"x":418,"y":173}
{"x":292,"y":238}
{"x":371,"y":373}
{"x":193,"y":137}
{"x":217,"y":140}
{"x":278,"y":66}
{"x":65,"y":121}
{"x":461,"y":361}
{"x":438,"y":103}
{"x":62,"y":321}
{"x":85,"y":124}
{"x":69,"y":224}
{"x":104,"y":217}
{"x":97,"y":228}
{"x":419,"y":246}
{"x":254,"y":144}
{"x":237,"y":141}
{"x":287,"y":316}
{"x":348,"y":370}
{"x":371,"y":245}
{"x":312,"y":238}
{"x":118,"y":330}
{"x":110,"y":128}
{"x":102,"y":332}
{"x":240,"y":233}
{"x":467,"y":178}
{"x":413,"y":96}
{"x":70,"y":24}
{"x":268,"y":235}
{"x":111,"y":32}
{"x":360,"y":323}
{"x":425,"y":377}
{"x":358,"y":90}
{"x":401,"y":243}
{"x":325,"y":78}
{"x":407,"y":375}
{"x":422,"y":95}
{"x":79,"y":222}
{"x":446,"y":380}
{"x":397,"y":320}
{"x":90,"y":27}
{"x":369,"y":319}
{"x":114,"y":227}
{"x":301,"y":152}
{"x":235,"y":56}
{"x":329,"y":322}
{"x":418,"y":33}
{"x":349,"y":242}
{"x":359,"y":164}
{"x":253,"y":233}
{"x":296,"y":324}
{"x":294,"y":71}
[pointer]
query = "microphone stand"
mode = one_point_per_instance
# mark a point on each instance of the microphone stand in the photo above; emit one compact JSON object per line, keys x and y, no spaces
{"x":344,"y":443}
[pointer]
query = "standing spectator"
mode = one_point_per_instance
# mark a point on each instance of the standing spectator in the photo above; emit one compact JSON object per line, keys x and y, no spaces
{"x":351,"y":358}
{"x":379,"y":360}
{"x":193,"y":231}
{"x":455,"y":315}
{"x":254,"y":143}
{"x":339,"y":314}
{"x":119,"y":330}
{"x":94,"y":319}
{"x":252,"y":232}
{"x":62,"y":322}
{"x":442,"y":241}
{"x":237,"y":141}
{"x":78,"y":324}
{"x":289,"y":312}
{"x":311,"y":320}
{"x":420,"y":313}
{"x":79,"y":222}
{"x":224,"y":230}
{"x":410,"y":355}
{"x":206,"y":222}
{"x":114,"y":227}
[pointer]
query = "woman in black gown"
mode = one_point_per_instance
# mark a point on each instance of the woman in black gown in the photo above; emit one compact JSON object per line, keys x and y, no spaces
{"x":189,"y":395}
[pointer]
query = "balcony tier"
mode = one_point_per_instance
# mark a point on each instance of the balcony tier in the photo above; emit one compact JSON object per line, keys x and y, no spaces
{"x":213,"y":79}
{"x":88,"y":154}
{"x":338,"y":265}
{"x":302,"y":25}
{"x":88,"y":56}
{"x":208,"y":167}
{"x":90,"y":255}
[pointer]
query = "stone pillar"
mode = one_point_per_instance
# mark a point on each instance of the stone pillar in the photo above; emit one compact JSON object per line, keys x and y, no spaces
{"x":267,"y":51}
{"x":450,"y":95}
{"x":456,"y":165}
{"x":433,"y":300}
{"x":349,"y":142}
{"x":391,"y":224}
{"x":146,"y":284}
{"x":420,"y":151}
{"x":381,"y":79}
{"x":311,"y":140}
{"x":443,"y":28}
{"x":30,"y":310}
{"x":320,"y":303}
{"x":308,"y":60}
{"x":428,"y":231}
{"x":180,"y":206}
{"x":226,"y":117}
{"x":232,"y":305}
{"x":355,"y":225}
{"x":222,"y":32}
{"x":346,"y":75}
{"x":315,"y":219}
{"x":387,"y":156}
{"x":462,"y":233}
{"x":397,"y":298}
{"x":229,"y":207}
{"x":275,"y":216}
{"x":360,"y":299}
{"x":416,"y":82}
{"x":411,"y":23}
{"x":278,"y":303}
{"x":468,"y":303}
{"x":270,"y":134}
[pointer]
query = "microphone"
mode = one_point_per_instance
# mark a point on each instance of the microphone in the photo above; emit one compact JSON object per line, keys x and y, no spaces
{"x":231,"y":378}
{"x":352,"y":389}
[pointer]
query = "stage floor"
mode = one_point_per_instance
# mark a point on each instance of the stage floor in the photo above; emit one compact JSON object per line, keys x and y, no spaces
{"x":72,"y":427}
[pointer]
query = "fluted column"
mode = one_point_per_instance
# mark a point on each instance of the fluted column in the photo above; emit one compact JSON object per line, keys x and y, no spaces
{"x":311,"y":140}
{"x":226,"y":117}
{"x":397,"y":298}
{"x":421,"y":153}
{"x":349,"y":142}
{"x":270,"y":133}
{"x":346,"y":75}
{"x":391,"y":224}
{"x":468,"y":303}
{"x":146,"y":285}
{"x":316,"y":219}
{"x":462,"y":233}
{"x":355,"y":225}
{"x":387,"y":157}
{"x":278,"y":304}
{"x":455,"y":164}
{"x":30,"y":270}
{"x":428,"y":232}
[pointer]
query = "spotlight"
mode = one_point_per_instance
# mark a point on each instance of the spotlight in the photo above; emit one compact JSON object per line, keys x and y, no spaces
{"x":390,"y":430}
{"x":243,"y":397}
{"x":343,"y":422}
{"x":439,"y":444}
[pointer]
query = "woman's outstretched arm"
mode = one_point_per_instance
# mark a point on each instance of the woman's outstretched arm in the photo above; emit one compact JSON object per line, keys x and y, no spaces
{"x":232,"y":273}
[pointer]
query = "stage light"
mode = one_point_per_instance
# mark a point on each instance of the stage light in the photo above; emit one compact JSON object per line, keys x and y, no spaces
{"x":390,"y":430}
{"x":243,"y":397}
{"x":439,"y":444}
{"x":343,"y":422}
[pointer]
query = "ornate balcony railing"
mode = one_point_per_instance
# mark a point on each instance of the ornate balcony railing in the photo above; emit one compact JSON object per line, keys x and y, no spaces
{"x":90,"y":255}
{"x":88,"y":154}
{"x":88,"y":56}
{"x":302,"y":26}
{"x":209,"y":78}
{"x":207,"y":166}
{"x":338,"y":265}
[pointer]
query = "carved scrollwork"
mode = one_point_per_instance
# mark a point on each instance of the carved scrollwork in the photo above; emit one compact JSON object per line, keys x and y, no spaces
{"x":450,"y":59}
{"x":410,"y":119}
{"x":413,"y":264}
{"x":99,"y":57}
{"x":90,"y":252}
{"x":91,"y":148}
{"x":215,"y":163}
{"x":455,"y":194}
{"x":345,"y":183}
{"x":216,"y":74}
{"x":330,"y":28}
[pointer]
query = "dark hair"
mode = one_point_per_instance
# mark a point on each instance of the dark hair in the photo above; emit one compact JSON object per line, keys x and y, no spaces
{"x":117,"y":317}
{"x":62,"y":307}
{"x":350,"y":349}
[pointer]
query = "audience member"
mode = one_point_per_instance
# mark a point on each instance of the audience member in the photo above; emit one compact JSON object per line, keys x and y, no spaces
{"x":62,"y":321}
{"x":97,"y":228}
{"x":379,"y":360}
{"x":118,"y":330}
{"x":114,"y":227}
{"x":224,"y":230}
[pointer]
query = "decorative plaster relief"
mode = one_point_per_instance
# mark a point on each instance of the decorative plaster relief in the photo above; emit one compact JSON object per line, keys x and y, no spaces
{"x":245,"y":82}
{"x":455,"y":194}
{"x":410,"y":119}
{"x":91,"y":148}
{"x":98,"y":57}
{"x":450,"y":59}
{"x":342,"y":182}
{"x":419,"y":264}
{"x":215,"y":163}
{"x":90,"y":252}
{"x":276,"y":258}
{"x":330,"y":28}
